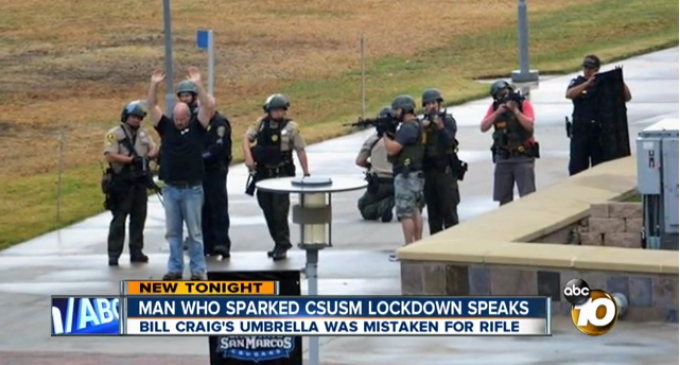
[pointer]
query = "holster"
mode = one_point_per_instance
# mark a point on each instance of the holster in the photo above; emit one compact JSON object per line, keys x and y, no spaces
{"x":534,"y":150}
{"x":373,"y":183}
{"x":115,"y":187}
{"x":568,"y":127}
{"x":107,"y":180}
{"x":458,"y":167}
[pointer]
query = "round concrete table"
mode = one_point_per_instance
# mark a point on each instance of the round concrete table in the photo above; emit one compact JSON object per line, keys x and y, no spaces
{"x":314,"y":215}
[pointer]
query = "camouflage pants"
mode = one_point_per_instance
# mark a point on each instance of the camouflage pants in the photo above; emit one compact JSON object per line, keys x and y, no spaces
{"x":374,"y":204}
{"x":408,"y":194}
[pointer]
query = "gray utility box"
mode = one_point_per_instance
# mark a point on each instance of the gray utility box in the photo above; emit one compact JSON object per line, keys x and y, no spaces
{"x":657,"y":174}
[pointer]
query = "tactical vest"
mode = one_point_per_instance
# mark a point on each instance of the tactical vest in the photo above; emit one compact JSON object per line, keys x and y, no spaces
{"x":432,"y":147}
{"x":509,"y":135}
{"x":268,"y":149}
{"x":411,"y":156}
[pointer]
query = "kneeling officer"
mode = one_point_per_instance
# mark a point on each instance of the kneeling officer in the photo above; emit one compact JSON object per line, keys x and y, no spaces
{"x":276,"y":137}
{"x":378,"y":201}
{"x":128,"y":149}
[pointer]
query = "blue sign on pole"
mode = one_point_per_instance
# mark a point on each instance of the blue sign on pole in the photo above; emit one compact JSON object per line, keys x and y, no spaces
{"x":202,"y":39}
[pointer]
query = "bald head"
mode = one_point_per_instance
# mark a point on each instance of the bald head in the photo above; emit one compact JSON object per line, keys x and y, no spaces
{"x":181,"y":110}
{"x":181,"y":115}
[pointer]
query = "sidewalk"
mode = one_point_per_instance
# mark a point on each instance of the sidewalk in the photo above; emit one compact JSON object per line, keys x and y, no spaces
{"x":73,"y":260}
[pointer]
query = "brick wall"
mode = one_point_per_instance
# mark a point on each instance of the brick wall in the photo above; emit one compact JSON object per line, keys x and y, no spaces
{"x":613,"y":224}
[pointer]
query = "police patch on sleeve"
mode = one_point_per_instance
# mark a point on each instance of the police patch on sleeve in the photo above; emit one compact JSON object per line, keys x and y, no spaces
{"x":221,"y":131}
{"x":572,"y":82}
{"x":110,"y":138}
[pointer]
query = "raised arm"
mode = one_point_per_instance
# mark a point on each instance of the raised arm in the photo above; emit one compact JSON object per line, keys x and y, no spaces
{"x":576,"y":87}
{"x":207,"y":109}
{"x":151,"y":98}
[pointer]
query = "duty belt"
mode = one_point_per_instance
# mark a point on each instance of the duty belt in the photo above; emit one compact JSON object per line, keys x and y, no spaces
{"x":584,"y":125}
{"x":273,"y":170}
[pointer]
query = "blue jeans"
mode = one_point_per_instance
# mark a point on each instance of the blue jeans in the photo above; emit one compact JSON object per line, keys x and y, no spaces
{"x":184,"y":205}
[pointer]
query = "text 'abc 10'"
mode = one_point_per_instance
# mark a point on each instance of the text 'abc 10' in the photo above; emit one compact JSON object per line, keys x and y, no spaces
{"x":594,"y":311}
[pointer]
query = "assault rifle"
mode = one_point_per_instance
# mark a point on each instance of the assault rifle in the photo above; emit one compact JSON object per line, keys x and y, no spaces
{"x":382,"y":125}
{"x":515,"y":96}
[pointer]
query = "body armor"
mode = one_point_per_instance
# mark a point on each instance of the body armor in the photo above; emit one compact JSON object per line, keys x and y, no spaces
{"x":268,"y":149}
{"x":509,"y":137}
{"x":411,"y":156}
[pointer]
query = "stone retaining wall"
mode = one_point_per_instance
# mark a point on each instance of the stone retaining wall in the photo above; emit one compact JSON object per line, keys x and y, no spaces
{"x":613,"y":224}
{"x":652,"y":297}
{"x":491,"y":254}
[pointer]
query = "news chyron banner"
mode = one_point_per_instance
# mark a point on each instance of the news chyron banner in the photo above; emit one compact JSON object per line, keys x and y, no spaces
{"x":338,"y":316}
{"x":105,"y":315}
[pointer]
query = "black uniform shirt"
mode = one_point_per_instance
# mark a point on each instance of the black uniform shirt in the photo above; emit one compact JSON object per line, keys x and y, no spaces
{"x":585,"y":104}
{"x":217,"y":146}
{"x":181,"y":151}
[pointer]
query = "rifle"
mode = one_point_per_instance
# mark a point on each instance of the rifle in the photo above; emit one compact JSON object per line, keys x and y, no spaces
{"x":382,"y":125}
{"x":515,"y":96}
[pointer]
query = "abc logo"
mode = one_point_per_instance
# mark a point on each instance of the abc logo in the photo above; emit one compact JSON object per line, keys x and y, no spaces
{"x":593,"y":311}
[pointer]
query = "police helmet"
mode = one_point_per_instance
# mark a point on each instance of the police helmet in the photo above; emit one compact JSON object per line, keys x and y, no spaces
{"x":432,"y":95}
{"x":404,"y":102}
{"x":276,"y":101}
{"x":135,"y":108}
{"x":498,"y":86}
{"x":186,"y":86}
{"x":385,"y":112}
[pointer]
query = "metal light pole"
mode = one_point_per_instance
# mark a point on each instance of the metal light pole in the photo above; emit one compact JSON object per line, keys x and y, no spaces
{"x":524,"y":74}
{"x":169,"y":84}
{"x":363,"y":79}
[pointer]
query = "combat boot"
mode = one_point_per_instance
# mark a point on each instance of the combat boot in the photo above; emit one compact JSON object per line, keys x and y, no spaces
{"x":278,"y":254}
{"x":139,"y":258}
{"x":221,"y":251}
{"x":386,"y":216}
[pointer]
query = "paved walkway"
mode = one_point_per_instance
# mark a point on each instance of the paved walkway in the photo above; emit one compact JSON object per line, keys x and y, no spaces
{"x":73,"y":260}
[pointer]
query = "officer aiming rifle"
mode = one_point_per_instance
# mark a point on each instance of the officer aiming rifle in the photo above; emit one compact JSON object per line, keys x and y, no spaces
{"x":377,"y":202}
{"x":383,"y":124}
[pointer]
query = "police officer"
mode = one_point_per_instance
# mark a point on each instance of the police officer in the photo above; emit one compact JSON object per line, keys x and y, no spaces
{"x":276,"y":137}
{"x":378,"y":200}
{"x":585,"y":146}
{"x":514,"y":148}
{"x":406,"y":149}
{"x":127,"y":148}
{"x":217,"y":158}
{"x":441,"y":183}
{"x":186,"y":93}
